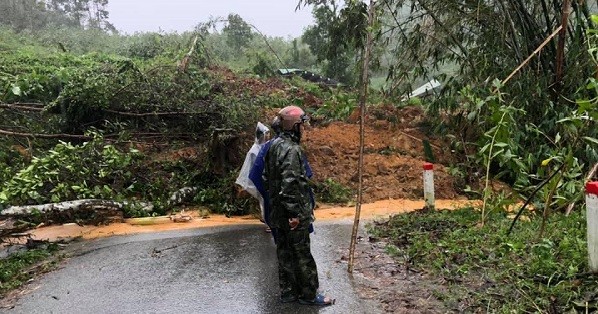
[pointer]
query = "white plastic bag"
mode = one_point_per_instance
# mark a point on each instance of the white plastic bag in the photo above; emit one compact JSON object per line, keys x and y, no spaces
{"x":261,"y":136}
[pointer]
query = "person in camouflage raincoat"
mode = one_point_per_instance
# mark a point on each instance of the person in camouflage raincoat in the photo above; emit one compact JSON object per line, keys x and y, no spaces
{"x":256,"y":176}
{"x":291,"y":211}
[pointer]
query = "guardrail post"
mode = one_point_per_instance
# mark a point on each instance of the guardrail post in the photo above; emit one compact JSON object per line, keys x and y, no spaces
{"x":429,"y":185}
{"x":592,"y":221}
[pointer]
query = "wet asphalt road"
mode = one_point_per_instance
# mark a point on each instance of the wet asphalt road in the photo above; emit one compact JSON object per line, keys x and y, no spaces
{"x":213,"y":270}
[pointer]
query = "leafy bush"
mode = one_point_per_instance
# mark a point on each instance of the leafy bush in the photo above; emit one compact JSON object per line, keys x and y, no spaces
{"x":34,"y":75}
{"x":263,"y":66}
{"x":338,"y":107}
{"x":69,"y":172}
{"x":144,"y":46}
{"x":219,"y":195}
{"x":330,"y":191}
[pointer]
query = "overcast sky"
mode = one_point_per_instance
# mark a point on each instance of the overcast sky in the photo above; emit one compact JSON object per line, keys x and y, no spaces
{"x":271,"y":17}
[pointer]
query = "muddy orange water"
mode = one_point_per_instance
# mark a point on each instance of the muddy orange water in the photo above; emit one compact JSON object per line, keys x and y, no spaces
{"x":380,"y":209}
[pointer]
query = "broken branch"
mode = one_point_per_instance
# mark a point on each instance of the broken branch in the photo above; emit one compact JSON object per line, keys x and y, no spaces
{"x":50,"y":136}
{"x":24,"y":107}
{"x":147,"y":114}
{"x":556,"y":32}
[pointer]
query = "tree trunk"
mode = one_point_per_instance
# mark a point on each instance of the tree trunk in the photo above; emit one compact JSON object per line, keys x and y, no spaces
{"x":362,"y":99}
{"x":560,"y":53}
{"x":95,"y":210}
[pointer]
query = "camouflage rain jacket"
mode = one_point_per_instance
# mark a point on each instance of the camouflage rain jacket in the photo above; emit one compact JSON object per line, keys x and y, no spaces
{"x":287,"y":184}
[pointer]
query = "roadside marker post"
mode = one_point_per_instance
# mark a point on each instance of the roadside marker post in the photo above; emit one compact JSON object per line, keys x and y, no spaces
{"x":592,"y":221}
{"x":429,"y":185}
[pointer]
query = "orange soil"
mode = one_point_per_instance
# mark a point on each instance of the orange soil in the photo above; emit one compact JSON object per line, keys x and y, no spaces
{"x":393,"y":156}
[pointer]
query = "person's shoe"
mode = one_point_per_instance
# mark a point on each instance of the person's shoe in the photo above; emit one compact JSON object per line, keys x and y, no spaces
{"x":320,"y":300}
{"x":288,"y":298}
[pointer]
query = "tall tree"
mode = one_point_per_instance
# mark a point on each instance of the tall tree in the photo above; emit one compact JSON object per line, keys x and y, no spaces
{"x":23,"y":14}
{"x":337,"y":37}
{"x":38,"y":14}
{"x":87,"y":13}
{"x":98,"y":16}
{"x":238,"y":32}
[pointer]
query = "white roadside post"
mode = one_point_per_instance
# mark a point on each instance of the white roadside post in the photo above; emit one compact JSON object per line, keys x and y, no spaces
{"x":592,"y":220}
{"x":429,"y":185}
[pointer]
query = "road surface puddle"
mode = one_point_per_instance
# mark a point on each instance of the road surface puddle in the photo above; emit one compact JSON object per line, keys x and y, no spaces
{"x":194,"y":219}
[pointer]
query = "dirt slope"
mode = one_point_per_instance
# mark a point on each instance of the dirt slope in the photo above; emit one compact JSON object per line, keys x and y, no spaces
{"x":393,"y":160}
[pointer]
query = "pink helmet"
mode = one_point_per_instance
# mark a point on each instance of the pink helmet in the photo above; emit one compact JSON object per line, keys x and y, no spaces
{"x":291,"y":115}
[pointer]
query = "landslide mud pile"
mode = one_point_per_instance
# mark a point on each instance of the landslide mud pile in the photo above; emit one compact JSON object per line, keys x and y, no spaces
{"x":394,"y":155}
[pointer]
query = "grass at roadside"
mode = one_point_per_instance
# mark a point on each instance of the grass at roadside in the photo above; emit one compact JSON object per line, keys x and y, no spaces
{"x":484,"y":270}
{"x":20,"y":267}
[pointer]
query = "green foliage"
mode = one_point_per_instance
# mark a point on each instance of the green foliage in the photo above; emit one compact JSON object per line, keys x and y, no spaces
{"x":32,"y":74}
{"x":480,"y":53}
{"x":263,"y":66}
{"x":428,"y":152}
{"x":338,"y":107}
{"x":22,"y":15}
{"x":80,"y":41}
{"x":15,"y":270}
{"x":69,"y":172}
{"x":507,"y":128}
{"x":88,"y":91}
{"x":131,"y":89}
{"x":110,"y":84}
{"x":238,"y":32}
{"x":336,"y":36}
{"x":136,"y":210}
{"x":219,"y":195}
{"x":300,"y":57}
{"x":414,"y":101}
{"x":145,"y":46}
{"x":485,"y":269}
{"x":511,"y":146}
{"x":330,"y":191}
{"x":9,"y":159}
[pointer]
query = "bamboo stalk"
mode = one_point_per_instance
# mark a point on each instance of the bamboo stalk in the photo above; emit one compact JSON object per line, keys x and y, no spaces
{"x":560,"y":52}
{"x":185,"y":62}
{"x":556,"y":32}
{"x":269,"y":46}
{"x":362,"y":100}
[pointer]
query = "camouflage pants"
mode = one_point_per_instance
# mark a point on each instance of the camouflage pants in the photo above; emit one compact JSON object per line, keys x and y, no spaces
{"x":297,"y":271}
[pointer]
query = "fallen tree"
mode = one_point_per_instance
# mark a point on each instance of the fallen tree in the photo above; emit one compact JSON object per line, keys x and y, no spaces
{"x":92,"y":204}
{"x":87,"y":211}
